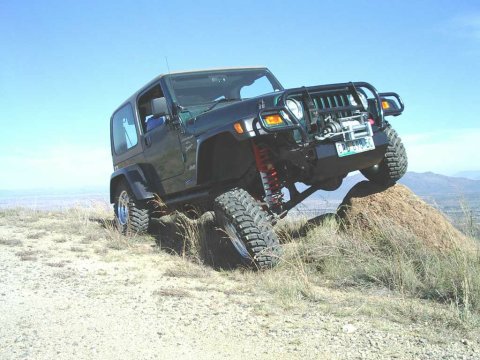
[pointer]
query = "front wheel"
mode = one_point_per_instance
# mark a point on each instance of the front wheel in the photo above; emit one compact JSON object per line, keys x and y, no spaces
{"x":248,"y":228}
{"x":131,"y":216}
{"x":394,"y":164}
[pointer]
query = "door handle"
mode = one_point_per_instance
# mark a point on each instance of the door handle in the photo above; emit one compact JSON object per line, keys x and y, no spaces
{"x":148,"y":141}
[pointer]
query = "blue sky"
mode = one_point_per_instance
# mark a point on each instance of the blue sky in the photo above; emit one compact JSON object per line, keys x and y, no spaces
{"x":66,"y":65}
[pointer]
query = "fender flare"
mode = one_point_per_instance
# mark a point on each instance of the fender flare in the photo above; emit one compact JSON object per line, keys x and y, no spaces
{"x":206,"y":149}
{"x":136,"y":180}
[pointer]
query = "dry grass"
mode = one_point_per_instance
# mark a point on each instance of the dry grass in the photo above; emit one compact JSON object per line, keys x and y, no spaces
{"x":469,"y":224}
{"x":172,"y":292}
{"x":77,"y":249}
{"x":65,"y":274}
{"x":186,"y":269}
{"x":388,"y":258}
{"x":90,"y":237}
{"x":114,"y":240}
{"x":62,"y":239}
{"x":57,"y":264}
{"x":369,"y":269}
{"x":19,"y":217}
{"x":10,"y":242}
{"x":27,"y":255}
{"x":36,"y":234}
{"x":101,"y":251}
{"x":85,"y":226}
{"x":193,"y":239}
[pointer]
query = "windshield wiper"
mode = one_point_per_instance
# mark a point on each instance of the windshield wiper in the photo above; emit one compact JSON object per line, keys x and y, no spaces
{"x":220,"y":101}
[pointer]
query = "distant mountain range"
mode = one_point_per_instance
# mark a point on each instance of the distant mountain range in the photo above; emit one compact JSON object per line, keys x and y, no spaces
{"x":474,"y":175}
{"x":434,"y":184}
{"x":430,"y":186}
{"x":48,"y":199}
{"x":426,"y":184}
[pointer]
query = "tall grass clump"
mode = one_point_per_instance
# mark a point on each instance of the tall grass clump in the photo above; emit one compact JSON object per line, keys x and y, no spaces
{"x":470,"y":225}
{"x":188,"y":232}
{"x":185,"y":236}
{"x":386,"y":256}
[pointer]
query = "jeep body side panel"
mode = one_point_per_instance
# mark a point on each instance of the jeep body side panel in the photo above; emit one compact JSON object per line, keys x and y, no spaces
{"x":136,"y":180}
{"x":162,"y":150}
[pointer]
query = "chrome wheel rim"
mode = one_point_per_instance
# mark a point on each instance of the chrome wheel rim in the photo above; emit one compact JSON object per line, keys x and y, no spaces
{"x":236,"y":241}
{"x":122,"y":209}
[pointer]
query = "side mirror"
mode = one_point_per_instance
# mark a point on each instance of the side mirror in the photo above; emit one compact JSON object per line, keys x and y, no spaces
{"x":159,"y":107}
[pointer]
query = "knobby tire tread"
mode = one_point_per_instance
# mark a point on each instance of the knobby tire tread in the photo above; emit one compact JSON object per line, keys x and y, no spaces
{"x":252,"y":225}
{"x":394,"y":164}
{"x":139,"y":214}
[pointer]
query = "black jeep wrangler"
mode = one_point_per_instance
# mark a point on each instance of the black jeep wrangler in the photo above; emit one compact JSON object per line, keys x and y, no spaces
{"x":235,"y":141}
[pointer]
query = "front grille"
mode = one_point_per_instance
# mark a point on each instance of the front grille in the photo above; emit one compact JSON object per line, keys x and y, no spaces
{"x":331,"y":104}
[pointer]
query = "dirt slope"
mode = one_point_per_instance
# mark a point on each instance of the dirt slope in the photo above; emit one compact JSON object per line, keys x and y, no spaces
{"x":70,"y":288}
{"x":369,"y":207}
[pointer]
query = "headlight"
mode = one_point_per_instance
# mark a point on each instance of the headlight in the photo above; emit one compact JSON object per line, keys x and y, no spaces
{"x":295,"y":107}
{"x":363,"y":99}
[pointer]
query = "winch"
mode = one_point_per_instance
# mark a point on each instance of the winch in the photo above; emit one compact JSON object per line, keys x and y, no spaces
{"x":347,"y":128}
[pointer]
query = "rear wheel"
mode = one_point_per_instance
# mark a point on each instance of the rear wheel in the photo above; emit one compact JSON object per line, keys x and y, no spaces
{"x":131,"y":216}
{"x":248,"y":228}
{"x":394,"y":164}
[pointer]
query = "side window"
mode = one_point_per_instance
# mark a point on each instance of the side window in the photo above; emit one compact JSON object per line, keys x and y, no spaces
{"x":145,"y":110}
{"x":124,"y":132}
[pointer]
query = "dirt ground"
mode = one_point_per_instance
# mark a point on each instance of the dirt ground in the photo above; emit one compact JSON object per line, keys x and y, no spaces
{"x":72,"y":289}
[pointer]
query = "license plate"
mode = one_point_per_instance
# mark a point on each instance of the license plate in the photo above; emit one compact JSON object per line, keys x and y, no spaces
{"x":346,"y":148}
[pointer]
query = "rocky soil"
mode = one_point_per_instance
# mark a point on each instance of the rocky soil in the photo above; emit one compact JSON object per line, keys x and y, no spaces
{"x":71,"y":288}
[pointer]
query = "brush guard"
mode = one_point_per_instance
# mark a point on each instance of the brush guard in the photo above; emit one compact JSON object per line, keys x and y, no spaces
{"x":320,"y":103}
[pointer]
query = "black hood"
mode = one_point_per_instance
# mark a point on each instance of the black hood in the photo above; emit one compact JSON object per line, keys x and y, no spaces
{"x":230,"y":113}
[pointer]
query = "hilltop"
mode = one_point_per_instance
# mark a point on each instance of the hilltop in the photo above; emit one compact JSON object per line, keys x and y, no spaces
{"x":73,"y":287}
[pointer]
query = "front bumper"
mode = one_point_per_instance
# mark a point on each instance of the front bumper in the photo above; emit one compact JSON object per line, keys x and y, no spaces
{"x":329,"y":165}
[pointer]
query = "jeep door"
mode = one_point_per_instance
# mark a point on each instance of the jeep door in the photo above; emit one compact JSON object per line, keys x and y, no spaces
{"x":162,"y":148}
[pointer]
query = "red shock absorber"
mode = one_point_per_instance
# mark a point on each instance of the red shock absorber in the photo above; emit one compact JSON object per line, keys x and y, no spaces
{"x":268,"y":175}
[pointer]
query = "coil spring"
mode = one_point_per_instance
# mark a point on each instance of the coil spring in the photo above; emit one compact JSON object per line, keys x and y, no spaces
{"x":269,"y":176}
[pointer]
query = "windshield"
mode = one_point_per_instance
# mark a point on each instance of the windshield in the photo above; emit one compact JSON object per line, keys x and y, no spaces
{"x":200,"y":91}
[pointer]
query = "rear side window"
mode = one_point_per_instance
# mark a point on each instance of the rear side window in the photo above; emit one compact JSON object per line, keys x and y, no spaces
{"x":124,"y":131}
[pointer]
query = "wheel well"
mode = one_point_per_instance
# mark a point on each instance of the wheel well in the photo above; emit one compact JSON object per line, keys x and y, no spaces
{"x":113,"y":185}
{"x":222,"y":157}
{"x":136,"y":181}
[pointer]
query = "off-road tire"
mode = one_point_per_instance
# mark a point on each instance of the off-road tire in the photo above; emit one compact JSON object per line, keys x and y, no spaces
{"x":394,"y":164}
{"x":245,"y":222}
{"x":131,"y":216}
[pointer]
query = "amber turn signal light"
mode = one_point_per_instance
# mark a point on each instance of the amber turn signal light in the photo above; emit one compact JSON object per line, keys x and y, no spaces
{"x":238,"y":128}
{"x":385,"y":105}
{"x":273,"y":119}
